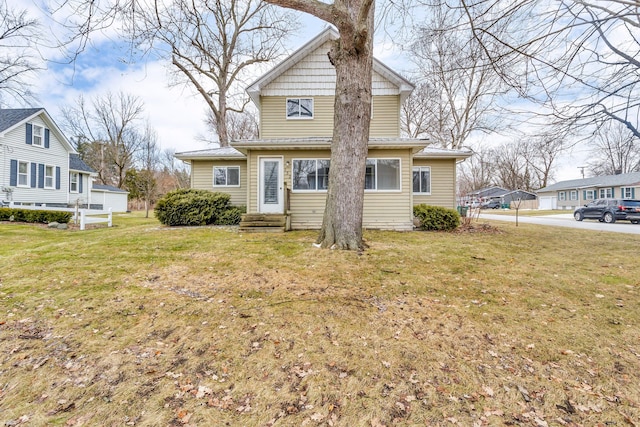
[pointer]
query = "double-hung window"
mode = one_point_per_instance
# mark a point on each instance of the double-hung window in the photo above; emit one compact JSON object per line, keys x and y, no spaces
{"x":382,"y":174}
{"x":310,"y":174}
{"x":422,"y":180}
{"x":606,"y":193}
{"x":37,"y":136}
{"x":573,"y":195}
{"x":48,"y":176}
{"x":590,"y":195}
{"x":562,"y":195}
{"x":627,"y":192}
{"x":226,"y":176}
{"x":299,"y":108}
{"x":73,"y":182}
{"x":23,"y":174}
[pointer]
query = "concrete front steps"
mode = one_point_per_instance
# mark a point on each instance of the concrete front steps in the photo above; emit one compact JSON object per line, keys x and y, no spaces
{"x":263,"y":223}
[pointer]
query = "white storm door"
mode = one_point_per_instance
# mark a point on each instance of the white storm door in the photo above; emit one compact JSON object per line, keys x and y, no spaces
{"x":270,"y":198}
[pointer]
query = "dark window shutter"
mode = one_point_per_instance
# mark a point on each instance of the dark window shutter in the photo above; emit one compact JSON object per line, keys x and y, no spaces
{"x":57,"y":177}
{"x":29,"y":134}
{"x":34,"y":175}
{"x":13,"y":178}
{"x":40,"y":175}
{"x":79,"y":183}
{"x":584,"y":194}
{"x":46,"y":138}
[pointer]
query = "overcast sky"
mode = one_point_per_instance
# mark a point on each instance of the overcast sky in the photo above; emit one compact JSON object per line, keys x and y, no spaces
{"x":176,"y":113}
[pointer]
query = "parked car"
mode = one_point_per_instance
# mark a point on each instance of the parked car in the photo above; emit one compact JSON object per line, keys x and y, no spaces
{"x":610,"y":210}
{"x":491,"y":204}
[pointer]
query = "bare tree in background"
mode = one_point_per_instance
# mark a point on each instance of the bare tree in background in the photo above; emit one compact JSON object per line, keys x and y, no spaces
{"x":475,"y":173}
{"x":113,"y":127}
{"x":18,"y":56}
{"x":541,"y":152}
{"x":459,"y":85}
{"x":583,"y":51}
{"x":212,"y":43}
{"x":617,"y":150}
{"x":240,"y":126}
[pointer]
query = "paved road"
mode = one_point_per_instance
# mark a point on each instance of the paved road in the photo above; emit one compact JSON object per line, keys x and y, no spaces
{"x":566,"y":220}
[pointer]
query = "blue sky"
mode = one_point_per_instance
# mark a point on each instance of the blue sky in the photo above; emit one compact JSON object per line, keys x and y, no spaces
{"x":176,"y":113}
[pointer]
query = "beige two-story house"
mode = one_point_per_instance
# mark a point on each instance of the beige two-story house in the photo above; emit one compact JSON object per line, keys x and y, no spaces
{"x":286,"y":170}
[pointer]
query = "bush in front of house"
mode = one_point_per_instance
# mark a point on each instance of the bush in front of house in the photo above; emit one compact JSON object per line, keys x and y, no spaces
{"x":196,"y":207}
{"x":34,"y":216}
{"x":436,"y":218}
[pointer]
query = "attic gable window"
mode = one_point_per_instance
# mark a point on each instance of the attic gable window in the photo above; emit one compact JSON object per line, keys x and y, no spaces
{"x":38,"y":136}
{"x":299,"y":108}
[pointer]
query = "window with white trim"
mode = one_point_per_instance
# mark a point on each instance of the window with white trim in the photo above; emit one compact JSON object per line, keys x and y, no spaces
{"x":299,"y":108}
{"x":573,"y":195}
{"x":627,"y":192}
{"x":49,"y":180}
{"x":23,"y":174}
{"x":382,"y":174}
{"x":73,"y":182}
{"x":422,"y":180}
{"x":606,"y":193}
{"x":310,"y":174}
{"x":589,"y":195}
{"x":562,"y":195}
{"x":226,"y":176}
{"x":37,"y":136}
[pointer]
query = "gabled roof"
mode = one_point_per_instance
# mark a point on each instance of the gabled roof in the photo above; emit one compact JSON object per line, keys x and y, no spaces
{"x":404,"y":86}
{"x":11,"y":118}
{"x":77,"y":164}
{"x":625,"y":179}
{"x":490,"y":192}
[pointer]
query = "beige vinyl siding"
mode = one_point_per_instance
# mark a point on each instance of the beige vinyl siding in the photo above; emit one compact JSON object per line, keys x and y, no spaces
{"x":386,"y":117}
{"x":443,"y":183}
{"x":382,"y":209}
{"x":274,"y":123}
{"x":202,"y":178}
{"x":390,"y":210}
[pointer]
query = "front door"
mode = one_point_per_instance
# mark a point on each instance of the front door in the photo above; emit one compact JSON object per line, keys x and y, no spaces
{"x":270,"y":185}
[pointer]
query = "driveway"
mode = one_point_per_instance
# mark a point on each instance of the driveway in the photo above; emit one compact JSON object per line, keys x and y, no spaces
{"x":566,"y":220}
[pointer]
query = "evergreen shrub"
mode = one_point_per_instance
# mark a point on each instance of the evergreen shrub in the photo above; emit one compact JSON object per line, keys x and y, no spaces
{"x":436,"y":218}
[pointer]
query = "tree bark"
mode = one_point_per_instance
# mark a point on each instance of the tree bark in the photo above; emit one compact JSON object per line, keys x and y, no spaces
{"x":352,"y":57}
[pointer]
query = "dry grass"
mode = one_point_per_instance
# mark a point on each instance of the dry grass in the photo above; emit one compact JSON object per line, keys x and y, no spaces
{"x":149,"y":326}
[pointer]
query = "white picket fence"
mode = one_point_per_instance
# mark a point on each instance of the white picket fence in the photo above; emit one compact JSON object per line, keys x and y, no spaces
{"x":86,"y":216}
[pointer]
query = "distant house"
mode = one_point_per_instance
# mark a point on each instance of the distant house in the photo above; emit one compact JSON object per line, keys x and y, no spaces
{"x":38,"y":164}
{"x":577,"y":192}
{"x":286,"y":170}
{"x":502,"y":195}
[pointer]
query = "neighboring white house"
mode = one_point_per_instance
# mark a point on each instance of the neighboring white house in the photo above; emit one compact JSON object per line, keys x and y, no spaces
{"x":40,"y":167}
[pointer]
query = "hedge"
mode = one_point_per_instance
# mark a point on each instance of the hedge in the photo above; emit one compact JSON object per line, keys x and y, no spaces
{"x":436,"y":218}
{"x":196,"y":207}
{"x":35,"y":216}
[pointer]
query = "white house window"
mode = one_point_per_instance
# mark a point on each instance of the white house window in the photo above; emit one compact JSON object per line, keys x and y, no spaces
{"x":226,"y":176}
{"x":310,"y":174}
{"x":422,"y":180}
{"x":73,"y":182}
{"x":38,"y":135}
{"x":606,"y":193}
{"x":627,"y":192}
{"x":590,"y":195}
{"x":562,"y":195}
{"x":299,"y":108}
{"x":573,"y":195}
{"x":382,"y":174}
{"x":23,"y":174}
{"x":48,"y":176}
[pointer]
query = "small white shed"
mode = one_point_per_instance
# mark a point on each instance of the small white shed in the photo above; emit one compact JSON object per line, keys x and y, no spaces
{"x":107,"y":196}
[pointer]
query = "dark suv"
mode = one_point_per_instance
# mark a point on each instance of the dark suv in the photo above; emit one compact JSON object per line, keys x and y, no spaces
{"x":610,"y":210}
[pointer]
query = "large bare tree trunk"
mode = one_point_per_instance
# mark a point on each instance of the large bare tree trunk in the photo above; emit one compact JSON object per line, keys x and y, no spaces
{"x":342,"y":223}
{"x":352,"y":56}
